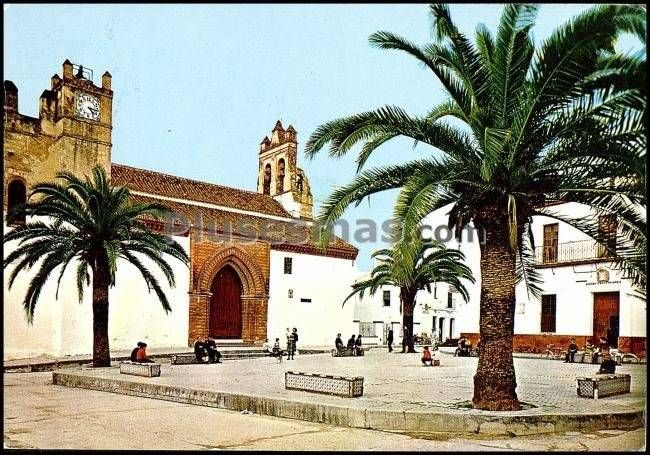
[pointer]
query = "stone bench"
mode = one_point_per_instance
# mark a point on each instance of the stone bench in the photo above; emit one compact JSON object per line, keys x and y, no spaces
{"x":348,"y":387}
{"x":140,"y":369}
{"x":603,"y":385}
{"x":346,"y":353}
{"x":183,"y":359}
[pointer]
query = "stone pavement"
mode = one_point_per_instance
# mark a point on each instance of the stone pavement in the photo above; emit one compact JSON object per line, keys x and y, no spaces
{"x":399,"y":394}
{"x":38,"y":415}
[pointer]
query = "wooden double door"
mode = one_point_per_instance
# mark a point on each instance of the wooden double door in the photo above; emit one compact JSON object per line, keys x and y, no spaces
{"x":606,"y":318}
{"x":226,"y":305}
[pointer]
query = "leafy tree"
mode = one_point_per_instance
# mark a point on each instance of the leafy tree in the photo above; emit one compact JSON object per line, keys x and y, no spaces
{"x":93,"y":224}
{"x":524,"y":126}
{"x":431,"y":263}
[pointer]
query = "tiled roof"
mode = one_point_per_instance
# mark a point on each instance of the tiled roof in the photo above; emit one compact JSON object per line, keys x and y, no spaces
{"x":177,"y":187}
{"x":294,"y":236}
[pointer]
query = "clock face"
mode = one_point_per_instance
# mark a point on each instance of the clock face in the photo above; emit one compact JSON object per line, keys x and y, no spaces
{"x":87,"y":106}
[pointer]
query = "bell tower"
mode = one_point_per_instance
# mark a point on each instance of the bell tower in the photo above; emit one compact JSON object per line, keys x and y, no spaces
{"x":72,"y":132}
{"x":280,"y":177}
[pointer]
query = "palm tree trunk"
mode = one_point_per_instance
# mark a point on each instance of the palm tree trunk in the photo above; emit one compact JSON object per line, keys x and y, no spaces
{"x":101,"y":351}
{"x":407,"y":298}
{"x":495,"y":381}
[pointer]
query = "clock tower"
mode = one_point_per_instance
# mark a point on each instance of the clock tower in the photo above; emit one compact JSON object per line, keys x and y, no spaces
{"x":72,"y":132}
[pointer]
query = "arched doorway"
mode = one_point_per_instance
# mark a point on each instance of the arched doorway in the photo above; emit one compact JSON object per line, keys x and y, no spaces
{"x":226,"y":304}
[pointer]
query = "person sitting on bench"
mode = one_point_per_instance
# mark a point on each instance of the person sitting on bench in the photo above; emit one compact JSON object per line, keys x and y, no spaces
{"x":426,"y":356}
{"x":277,"y":350}
{"x":608,"y":366}
{"x":464,"y":347}
{"x":199,"y":351}
{"x":571,"y":351}
{"x":350,"y":345}
{"x":358,"y":350}
{"x":267,"y":348}
{"x":213,"y":354}
{"x":141,"y":355}
{"x":134,"y":353}
{"x":338,"y":344}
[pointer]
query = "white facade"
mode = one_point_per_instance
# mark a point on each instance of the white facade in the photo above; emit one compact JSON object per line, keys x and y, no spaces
{"x":572,"y":279}
{"x":435,"y":314}
{"x":309,"y":298}
{"x":63,"y":326}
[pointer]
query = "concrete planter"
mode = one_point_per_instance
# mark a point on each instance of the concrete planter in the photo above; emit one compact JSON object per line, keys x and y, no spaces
{"x":140,"y":369}
{"x":326,"y":384}
{"x":603,"y":385}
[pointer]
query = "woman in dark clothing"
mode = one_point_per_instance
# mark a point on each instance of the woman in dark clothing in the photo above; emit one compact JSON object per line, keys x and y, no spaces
{"x":199,"y":350}
{"x":357,"y":345}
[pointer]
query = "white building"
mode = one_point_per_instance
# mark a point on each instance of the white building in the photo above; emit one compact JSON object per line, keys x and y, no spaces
{"x":255,"y":264}
{"x":583,"y":294}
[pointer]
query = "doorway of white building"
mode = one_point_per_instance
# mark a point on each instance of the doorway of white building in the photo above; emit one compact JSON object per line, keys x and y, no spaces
{"x":606,"y":317}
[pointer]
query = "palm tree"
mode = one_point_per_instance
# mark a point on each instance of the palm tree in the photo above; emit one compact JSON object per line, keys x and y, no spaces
{"x":431,"y":263}
{"x":561,"y":121}
{"x":92,"y":223}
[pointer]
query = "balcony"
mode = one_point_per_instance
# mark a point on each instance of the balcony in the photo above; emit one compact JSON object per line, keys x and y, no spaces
{"x":573,"y":252}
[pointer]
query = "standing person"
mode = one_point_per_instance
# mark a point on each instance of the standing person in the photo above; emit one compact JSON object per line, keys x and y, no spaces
{"x":389,"y":340}
{"x":291,"y":344}
{"x":295,"y":340}
{"x":571,"y":351}
{"x":357,"y":346}
{"x":213,"y":354}
{"x":405,"y":339}
{"x":141,"y":355}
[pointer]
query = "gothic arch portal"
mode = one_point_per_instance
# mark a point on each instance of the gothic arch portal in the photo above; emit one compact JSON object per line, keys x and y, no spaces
{"x":254,"y":295}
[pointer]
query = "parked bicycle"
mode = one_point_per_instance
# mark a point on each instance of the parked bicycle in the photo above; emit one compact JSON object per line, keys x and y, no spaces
{"x":552,"y":352}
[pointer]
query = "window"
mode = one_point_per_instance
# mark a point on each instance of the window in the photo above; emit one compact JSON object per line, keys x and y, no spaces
{"x":279,"y":185}
{"x":450,"y":299}
{"x":548,"y":313}
{"x":267,"y":179}
{"x":303,"y":300}
{"x":16,"y":195}
{"x":288,"y":262}
{"x":367,"y":329}
{"x":386,"y":298}
{"x":550,"y":243}
{"x":435,"y":290}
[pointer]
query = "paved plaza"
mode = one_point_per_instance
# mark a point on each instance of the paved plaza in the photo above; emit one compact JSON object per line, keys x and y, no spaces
{"x":39,"y":415}
{"x":396,"y":387}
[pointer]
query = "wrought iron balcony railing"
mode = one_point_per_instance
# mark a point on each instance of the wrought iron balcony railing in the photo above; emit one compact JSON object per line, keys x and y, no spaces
{"x":582,"y":250}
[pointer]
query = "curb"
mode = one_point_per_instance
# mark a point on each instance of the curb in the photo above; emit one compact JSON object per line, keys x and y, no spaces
{"x":63,"y":363}
{"x":484,"y":423}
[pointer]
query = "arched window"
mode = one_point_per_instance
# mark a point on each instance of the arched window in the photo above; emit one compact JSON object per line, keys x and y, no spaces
{"x":279,"y":186}
{"x":267,"y":179}
{"x":299,"y":183}
{"x":16,"y":195}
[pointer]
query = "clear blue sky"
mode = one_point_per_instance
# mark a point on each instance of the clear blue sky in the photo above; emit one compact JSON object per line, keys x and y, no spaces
{"x":198,"y":86}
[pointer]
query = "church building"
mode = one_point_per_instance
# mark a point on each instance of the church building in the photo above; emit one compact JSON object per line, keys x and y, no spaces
{"x":255,"y":268}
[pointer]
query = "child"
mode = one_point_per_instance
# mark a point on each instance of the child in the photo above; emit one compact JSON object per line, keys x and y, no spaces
{"x":426,"y":356}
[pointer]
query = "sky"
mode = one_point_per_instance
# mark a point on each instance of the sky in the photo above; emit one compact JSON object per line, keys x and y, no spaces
{"x":197,"y":87}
